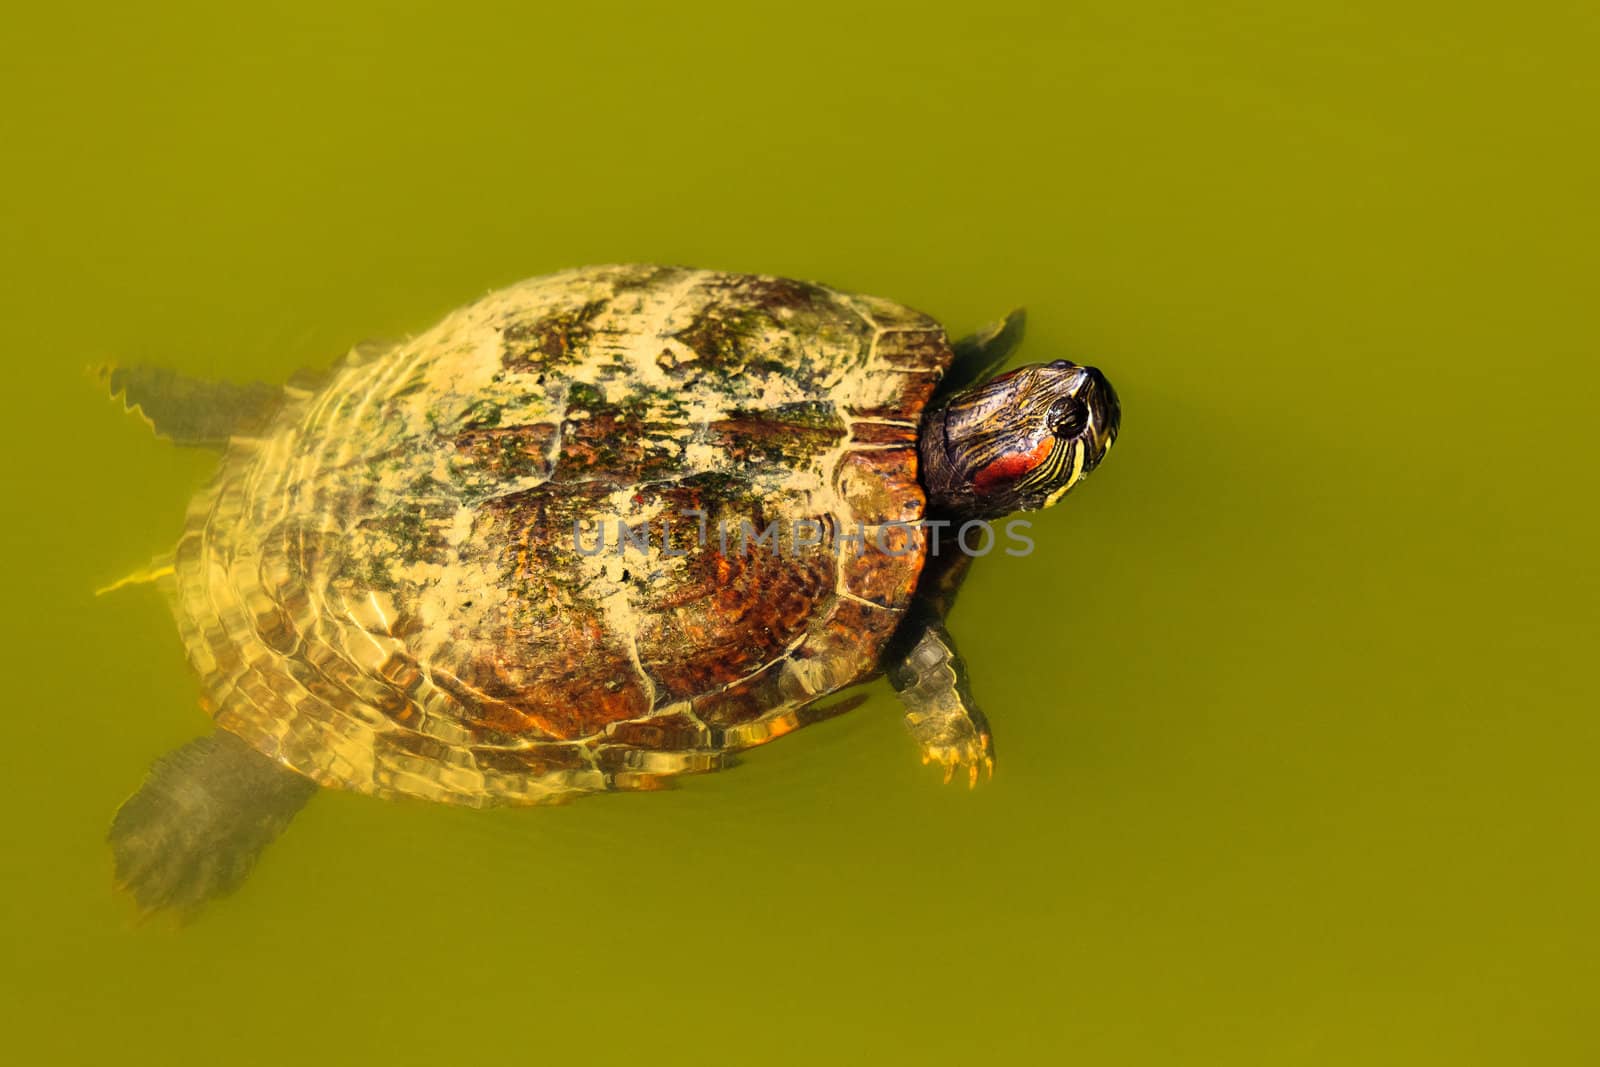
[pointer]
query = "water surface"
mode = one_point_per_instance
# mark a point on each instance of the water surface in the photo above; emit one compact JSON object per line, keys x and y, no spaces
{"x":1293,"y":703}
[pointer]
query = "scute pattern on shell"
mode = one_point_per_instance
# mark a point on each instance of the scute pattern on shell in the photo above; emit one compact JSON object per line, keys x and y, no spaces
{"x":383,"y":591}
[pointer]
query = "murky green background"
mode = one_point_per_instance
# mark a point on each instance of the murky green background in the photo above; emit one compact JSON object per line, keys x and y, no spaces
{"x":1294,"y":704}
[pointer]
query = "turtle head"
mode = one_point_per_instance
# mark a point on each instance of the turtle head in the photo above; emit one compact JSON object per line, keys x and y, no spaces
{"x":1019,"y":441}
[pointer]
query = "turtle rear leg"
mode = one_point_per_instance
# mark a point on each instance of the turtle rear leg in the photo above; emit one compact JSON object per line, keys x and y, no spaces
{"x":928,"y":673}
{"x":193,"y":411}
{"x":194,"y":829}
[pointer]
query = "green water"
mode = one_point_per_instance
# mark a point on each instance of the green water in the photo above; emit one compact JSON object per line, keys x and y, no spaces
{"x":1294,"y":704}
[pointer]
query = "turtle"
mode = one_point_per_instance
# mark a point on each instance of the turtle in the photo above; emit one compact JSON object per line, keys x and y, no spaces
{"x":590,"y":532}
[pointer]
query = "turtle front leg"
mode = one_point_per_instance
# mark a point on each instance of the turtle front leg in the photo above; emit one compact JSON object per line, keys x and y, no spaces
{"x":928,"y":673}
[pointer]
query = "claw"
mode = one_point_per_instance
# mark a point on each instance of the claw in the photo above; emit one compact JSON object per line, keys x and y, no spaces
{"x":975,"y":758}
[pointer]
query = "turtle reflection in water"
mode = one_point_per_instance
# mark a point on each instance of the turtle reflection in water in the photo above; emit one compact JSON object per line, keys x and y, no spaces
{"x":382,"y":589}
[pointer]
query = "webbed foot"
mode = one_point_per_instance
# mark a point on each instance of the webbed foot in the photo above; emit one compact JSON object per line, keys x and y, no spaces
{"x":940,"y":712}
{"x":192,"y":411}
{"x":955,"y":742}
{"x":195,"y":828}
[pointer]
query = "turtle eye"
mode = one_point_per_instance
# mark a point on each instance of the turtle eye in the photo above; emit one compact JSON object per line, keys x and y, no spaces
{"x":1068,"y":417}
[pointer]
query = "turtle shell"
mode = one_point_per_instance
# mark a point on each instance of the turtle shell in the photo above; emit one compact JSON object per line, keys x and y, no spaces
{"x":593,"y":529}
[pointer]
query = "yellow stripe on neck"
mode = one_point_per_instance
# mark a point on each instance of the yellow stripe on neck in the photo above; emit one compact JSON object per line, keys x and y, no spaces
{"x":1077,"y":472}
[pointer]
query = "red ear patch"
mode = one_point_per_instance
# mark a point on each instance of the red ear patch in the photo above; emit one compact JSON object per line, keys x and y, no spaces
{"x":1012,"y":465}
